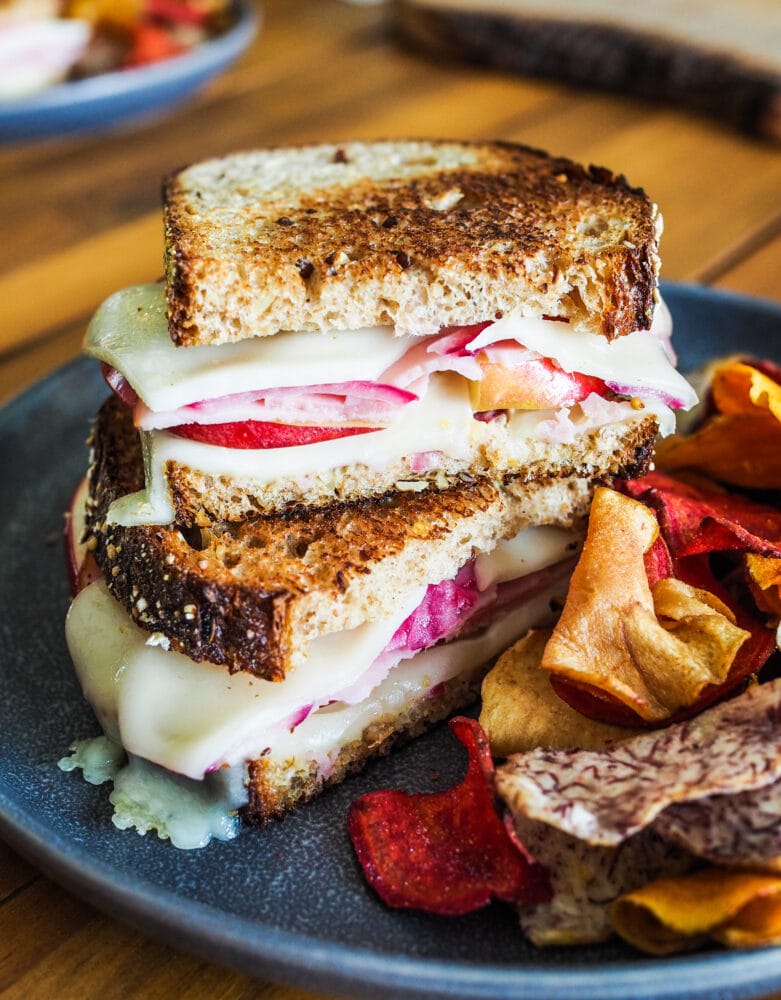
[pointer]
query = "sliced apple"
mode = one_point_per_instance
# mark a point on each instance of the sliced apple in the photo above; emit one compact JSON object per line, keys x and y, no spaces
{"x":531,"y":383}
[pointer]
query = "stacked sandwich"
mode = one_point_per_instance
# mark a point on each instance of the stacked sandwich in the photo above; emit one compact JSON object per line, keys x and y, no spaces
{"x":350,"y":443}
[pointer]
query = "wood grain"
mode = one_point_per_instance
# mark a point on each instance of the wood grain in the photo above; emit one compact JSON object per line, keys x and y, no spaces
{"x":81,"y":218}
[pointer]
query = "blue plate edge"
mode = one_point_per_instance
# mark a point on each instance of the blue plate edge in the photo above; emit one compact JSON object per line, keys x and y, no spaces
{"x":29,"y":119}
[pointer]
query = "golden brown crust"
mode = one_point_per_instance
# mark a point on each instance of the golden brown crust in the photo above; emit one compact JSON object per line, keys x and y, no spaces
{"x":450,"y":233}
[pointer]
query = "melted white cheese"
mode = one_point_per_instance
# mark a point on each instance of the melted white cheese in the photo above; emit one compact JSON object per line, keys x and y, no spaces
{"x":529,"y":551}
{"x":190,"y":812}
{"x":194,"y":717}
{"x":638,"y":359}
{"x":147,"y":797}
{"x":321,"y":736}
{"x":130,"y":333}
{"x":442,"y":421}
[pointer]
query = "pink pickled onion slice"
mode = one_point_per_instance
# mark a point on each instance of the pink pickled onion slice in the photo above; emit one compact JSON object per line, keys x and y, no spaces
{"x":429,"y":356}
{"x":440,"y":612}
{"x":647,"y":392}
{"x":331,"y":403}
{"x":454,"y":339}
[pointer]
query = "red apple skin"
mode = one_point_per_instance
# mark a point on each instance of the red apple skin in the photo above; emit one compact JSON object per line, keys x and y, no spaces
{"x":248,"y":434}
{"x":79,"y":562}
{"x":533,"y":384}
{"x":73,"y":554}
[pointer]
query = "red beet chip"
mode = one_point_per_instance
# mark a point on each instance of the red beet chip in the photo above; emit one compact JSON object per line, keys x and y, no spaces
{"x":448,"y":852}
{"x":694,"y":521}
{"x":658,"y":562}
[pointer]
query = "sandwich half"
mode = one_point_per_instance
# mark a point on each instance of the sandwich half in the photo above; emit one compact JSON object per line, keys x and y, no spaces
{"x":350,"y":447}
{"x":341,"y":321}
{"x":282,"y":653}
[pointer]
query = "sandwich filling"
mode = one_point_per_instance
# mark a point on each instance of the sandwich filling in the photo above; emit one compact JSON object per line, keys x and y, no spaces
{"x":195,"y":720}
{"x":300,"y":404}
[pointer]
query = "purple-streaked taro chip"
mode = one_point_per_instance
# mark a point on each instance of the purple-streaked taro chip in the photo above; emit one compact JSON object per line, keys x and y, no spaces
{"x":447,"y":852}
{"x":587,"y":880}
{"x":742,"y":831}
{"x":604,"y":797}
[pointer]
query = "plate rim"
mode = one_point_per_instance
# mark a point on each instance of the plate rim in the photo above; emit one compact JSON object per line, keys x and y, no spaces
{"x":209,"y":55}
{"x":293,"y":956}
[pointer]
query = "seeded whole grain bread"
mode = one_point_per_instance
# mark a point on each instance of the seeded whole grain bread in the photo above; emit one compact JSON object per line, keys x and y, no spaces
{"x":251,"y":595}
{"x":418,"y":234}
{"x":611,"y":450}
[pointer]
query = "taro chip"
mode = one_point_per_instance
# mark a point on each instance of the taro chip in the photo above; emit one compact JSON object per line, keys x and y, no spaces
{"x":587,"y":879}
{"x":448,"y":852}
{"x":738,"y":831}
{"x":741,"y":443}
{"x":738,"y":909}
{"x":654,"y":652}
{"x":605,"y":796}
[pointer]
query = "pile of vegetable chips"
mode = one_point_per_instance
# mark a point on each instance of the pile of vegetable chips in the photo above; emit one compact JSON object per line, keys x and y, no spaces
{"x":642,"y":786}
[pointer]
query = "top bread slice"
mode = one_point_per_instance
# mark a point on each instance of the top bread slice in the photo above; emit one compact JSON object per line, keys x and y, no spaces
{"x":418,"y":235}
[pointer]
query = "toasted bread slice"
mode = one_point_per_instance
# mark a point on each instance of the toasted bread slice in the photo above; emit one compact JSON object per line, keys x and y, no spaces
{"x":274,"y":789}
{"x":418,"y":234}
{"x":251,"y":595}
{"x":610,"y":450}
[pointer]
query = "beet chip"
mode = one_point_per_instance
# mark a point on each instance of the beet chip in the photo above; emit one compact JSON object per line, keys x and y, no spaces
{"x":694,"y":520}
{"x":448,"y":852}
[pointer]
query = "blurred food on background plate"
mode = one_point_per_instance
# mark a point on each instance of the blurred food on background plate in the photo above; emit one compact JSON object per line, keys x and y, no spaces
{"x":45,"y":42}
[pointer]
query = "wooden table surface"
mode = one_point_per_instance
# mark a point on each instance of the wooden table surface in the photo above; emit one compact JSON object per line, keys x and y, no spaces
{"x":80,"y":218}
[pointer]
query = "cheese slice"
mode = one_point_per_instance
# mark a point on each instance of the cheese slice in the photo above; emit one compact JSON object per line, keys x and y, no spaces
{"x":324,"y":733}
{"x":637,"y":360}
{"x":194,"y":717}
{"x":190,"y":812}
{"x":527,"y":552}
{"x":130,"y":333}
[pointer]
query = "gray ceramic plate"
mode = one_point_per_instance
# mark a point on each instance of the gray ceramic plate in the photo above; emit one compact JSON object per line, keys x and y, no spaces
{"x":287,"y":903}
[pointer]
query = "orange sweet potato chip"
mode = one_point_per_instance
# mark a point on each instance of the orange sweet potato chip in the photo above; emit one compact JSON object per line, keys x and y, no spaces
{"x":764,"y":578}
{"x":654,"y":651}
{"x":739,"y":909}
{"x":741,"y":388}
{"x":741,"y":443}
